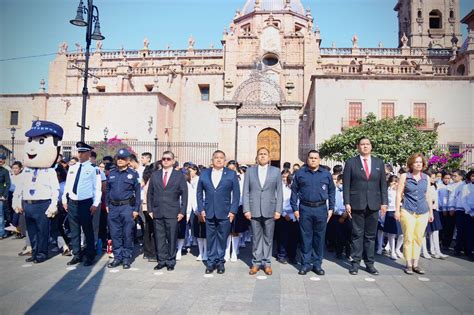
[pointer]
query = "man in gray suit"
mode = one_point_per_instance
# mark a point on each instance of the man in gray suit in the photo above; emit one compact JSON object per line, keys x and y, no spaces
{"x":262,"y":201}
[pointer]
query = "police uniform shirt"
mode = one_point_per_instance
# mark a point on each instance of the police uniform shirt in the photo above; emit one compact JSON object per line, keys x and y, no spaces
{"x":88,"y":186}
{"x":312,"y":186}
{"x":36,"y":184}
{"x":123,"y":185}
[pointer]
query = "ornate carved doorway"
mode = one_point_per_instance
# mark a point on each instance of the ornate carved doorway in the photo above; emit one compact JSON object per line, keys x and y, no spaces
{"x":270,"y":139}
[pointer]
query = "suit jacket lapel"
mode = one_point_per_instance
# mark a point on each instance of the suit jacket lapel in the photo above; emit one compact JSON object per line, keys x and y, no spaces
{"x":360,"y":167}
{"x":224,"y":173}
{"x":160,"y":178}
{"x":373,"y":167}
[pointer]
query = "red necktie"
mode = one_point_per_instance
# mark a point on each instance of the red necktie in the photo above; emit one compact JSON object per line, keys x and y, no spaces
{"x":165,"y":179}
{"x":366,"y":168}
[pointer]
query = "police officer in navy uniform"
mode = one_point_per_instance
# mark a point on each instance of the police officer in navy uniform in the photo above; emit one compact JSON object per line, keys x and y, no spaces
{"x":123,"y":204}
{"x":314,"y":188}
{"x":81,"y":198}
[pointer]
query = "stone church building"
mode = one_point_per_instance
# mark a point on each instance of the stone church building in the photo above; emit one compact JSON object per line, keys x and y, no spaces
{"x":273,"y":83}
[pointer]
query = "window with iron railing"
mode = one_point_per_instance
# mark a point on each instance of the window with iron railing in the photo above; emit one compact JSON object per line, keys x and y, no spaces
{"x":419,"y":111}
{"x":355,"y":113}
{"x":387,"y":110}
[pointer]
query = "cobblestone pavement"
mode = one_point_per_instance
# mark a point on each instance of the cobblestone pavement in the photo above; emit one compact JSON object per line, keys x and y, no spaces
{"x":53,"y":288}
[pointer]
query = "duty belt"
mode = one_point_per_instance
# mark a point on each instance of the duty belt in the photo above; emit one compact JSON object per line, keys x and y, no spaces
{"x":120,"y":202}
{"x":313,"y":204}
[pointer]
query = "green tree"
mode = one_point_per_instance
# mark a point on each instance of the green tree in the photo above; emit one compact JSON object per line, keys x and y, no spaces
{"x":393,"y":140}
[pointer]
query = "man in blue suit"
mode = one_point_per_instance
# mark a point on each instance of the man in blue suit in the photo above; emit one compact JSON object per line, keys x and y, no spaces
{"x":220,"y":186}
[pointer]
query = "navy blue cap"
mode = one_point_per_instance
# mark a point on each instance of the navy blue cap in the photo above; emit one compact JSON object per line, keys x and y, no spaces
{"x":3,"y":156}
{"x":123,"y":154}
{"x":83,"y":147}
{"x":43,"y":127}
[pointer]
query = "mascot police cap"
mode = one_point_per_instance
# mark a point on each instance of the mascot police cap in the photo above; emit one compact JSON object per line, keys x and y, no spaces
{"x":42,"y":127}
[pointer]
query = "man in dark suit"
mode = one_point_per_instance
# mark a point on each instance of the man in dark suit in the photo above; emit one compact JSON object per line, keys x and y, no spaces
{"x":365,"y":193}
{"x":167,"y":200}
{"x":218,"y":196}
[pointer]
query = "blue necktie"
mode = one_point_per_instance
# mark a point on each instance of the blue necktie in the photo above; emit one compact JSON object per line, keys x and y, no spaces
{"x":76,"y":181}
{"x":33,"y":180}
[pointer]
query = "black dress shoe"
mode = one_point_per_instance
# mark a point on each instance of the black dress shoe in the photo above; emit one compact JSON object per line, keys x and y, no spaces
{"x":220,"y":269}
{"x":354,"y":270}
{"x":159,"y":267}
{"x":303,"y":271}
{"x":114,"y":263}
{"x":38,"y":261}
{"x":372,"y":270}
{"x":88,"y":262}
{"x":319,"y":271}
{"x":126,"y":266}
{"x":74,"y":261}
{"x":170,"y":268}
{"x":30,"y":259}
{"x":209,"y":269}
{"x":282,"y":261}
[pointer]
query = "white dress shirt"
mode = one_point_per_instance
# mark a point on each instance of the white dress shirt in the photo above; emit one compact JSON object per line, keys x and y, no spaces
{"x":262,"y":174}
{"x":36,"y":184}
{"x":369,"y":162}
{"x":89,"y":185}
{"x":216,"y":176}
{"x":168,"y":175}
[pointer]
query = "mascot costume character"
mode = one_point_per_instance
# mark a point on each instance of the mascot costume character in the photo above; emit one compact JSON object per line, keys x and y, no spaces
{"x":37,"y":191}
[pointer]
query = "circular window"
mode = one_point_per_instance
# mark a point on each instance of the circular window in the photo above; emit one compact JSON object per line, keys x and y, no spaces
{"x":270,"y":60}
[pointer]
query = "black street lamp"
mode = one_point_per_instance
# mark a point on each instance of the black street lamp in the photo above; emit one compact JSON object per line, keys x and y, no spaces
{"x":12,"y":131}
{"x":106,"y":132}
{"x":156,"y":147}
{"x":95,"y":35}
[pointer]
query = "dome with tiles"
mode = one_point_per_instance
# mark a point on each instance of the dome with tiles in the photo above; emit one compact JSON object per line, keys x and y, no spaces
{"x":274,"y":5}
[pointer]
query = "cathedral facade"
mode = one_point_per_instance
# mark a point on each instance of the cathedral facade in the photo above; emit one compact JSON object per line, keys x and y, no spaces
{"x":271,"y":84}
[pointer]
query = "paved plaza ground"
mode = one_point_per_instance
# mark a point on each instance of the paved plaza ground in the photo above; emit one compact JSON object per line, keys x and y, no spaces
{"x":53,"y":288}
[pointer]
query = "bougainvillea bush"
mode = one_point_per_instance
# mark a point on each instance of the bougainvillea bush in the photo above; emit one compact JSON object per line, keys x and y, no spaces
{"x":446,"y":161}
{"x":111,"y":147}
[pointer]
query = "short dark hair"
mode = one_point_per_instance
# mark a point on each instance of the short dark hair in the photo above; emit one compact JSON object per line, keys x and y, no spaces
{"x":313,"y":151}
{"x":218,"y":151}
{"x":93,"y":154}
{"x":287,"y":165}
{"x":445,"y":173}
{"x":18,"y":163}
{"x":168,"y":152}
{"x":340,"y":177}
{"x":363,"y":138}
{"x":147,"y":154}
{"x":337,"y":169}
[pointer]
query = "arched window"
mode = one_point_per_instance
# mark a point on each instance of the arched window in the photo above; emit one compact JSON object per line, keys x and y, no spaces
{"x":451,"y":14}
{"x":435,"y":19}
{"x":419,"y":14}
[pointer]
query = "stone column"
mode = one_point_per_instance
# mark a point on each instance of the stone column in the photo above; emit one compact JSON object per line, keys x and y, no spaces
{"x":289,"y":116}
{"x":228,"y":127}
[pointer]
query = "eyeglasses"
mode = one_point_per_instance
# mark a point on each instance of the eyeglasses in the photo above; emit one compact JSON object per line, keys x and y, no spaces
{"x":166,"y":159}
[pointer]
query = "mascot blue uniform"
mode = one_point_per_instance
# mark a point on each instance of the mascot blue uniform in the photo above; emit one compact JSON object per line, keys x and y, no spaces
{"x":37,"y":192}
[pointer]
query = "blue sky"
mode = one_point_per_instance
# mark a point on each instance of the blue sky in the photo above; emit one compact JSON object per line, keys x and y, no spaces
{"x":37,"y":27}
